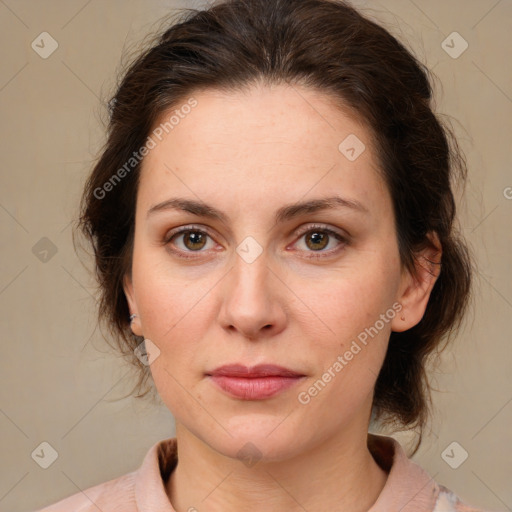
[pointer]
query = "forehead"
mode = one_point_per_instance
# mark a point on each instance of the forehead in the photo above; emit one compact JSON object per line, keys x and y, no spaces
{"x":262,"y":140}
{"x":275,"y":117}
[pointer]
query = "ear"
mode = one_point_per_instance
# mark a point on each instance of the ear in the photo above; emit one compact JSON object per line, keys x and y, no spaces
{"x":132,"y":305}
{"x":414,"y":291}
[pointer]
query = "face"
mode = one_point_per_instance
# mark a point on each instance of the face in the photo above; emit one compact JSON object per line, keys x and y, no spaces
{"x":252,"y":278}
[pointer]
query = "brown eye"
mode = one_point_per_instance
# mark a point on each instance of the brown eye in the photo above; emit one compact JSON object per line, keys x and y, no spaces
{"x":188,"y":240}
{"x":194,"y":240}
{"x":318,"y":240}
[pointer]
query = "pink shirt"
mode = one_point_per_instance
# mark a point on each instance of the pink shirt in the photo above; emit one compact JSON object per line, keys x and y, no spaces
{"x":408,"y":488}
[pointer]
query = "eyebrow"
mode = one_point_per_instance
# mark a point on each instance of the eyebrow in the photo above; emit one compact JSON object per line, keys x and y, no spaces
{"x":283,"y":214}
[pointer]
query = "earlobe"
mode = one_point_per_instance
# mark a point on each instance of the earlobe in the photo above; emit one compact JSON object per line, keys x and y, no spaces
{"x":134,"y":319}
{"x":416,"y":287}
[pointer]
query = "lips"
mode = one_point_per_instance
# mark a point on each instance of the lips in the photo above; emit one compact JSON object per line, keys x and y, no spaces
{"x":254,"y":383}
{"x":261,"y":370}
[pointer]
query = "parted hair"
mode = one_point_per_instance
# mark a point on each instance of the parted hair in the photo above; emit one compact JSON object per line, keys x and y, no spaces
{"x":333,"y":48}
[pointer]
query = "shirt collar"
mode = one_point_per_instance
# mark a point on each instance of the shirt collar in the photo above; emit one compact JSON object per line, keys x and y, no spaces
{"x":150,"y":492}
{"x":408,"y":487}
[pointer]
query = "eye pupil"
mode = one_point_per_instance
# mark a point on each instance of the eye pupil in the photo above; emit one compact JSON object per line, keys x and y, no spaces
{"x":318,"y":238}
{"x":195,"y":238}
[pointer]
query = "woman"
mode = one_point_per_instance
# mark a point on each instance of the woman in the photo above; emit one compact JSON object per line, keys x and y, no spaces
{"x":273,"y":226}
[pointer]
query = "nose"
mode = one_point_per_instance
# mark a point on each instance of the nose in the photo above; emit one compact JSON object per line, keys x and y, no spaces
{"x":253,"y":298}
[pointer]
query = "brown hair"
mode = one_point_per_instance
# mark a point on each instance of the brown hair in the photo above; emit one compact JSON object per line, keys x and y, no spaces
{"x":331,"y":47}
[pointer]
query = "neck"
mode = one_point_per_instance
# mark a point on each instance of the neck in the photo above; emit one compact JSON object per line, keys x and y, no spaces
{"x":339,"y":474}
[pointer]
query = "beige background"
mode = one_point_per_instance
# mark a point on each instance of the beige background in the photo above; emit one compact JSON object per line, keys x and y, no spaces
{"x":59,"y":379}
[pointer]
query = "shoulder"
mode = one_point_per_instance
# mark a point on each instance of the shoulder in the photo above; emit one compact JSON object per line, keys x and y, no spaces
{"x":143,"y":488}
{"x":448,"y":501}
{"x":409,"y":487}
{"x":116,"y":495}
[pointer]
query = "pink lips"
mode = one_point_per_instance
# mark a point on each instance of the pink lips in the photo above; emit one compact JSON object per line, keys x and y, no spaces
{"x":255,"y":383}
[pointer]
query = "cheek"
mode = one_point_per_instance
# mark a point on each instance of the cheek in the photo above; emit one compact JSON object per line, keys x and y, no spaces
{"x":166,"y":298}
{"x":176,"y":311}
{"x":352,"y":322}
{"x":174,"y":317}
{"x":351,"y":300}
{"x":169,"y":312}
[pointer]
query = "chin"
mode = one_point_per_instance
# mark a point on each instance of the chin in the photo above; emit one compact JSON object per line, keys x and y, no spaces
{"x":254,"y":439}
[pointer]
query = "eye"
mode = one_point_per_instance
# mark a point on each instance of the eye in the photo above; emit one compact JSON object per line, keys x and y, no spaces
{"x":317,"y":238}
{"x":192,"y":240}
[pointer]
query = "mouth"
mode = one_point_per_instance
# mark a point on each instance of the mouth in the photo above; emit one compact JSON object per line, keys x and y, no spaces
{"x":254,"y":383}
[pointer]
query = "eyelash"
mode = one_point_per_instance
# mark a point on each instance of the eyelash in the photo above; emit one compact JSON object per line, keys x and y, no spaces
{"x":309,"y":229}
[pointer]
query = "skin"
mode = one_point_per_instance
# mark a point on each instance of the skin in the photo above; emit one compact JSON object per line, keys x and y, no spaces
{"x":249,"y":154}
